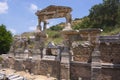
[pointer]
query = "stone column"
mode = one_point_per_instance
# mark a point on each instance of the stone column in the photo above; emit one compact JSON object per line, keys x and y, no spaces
{"x":96,"y":64}
{"x":67,"y":27}
{"x":39,"y":40}
{"x":68,"y":18}
{"x":45,"y":25}
{"x":68,"y":22}
{"x":39,"y":24}
{"x":42,"y":45}
{"x":65,"y":56}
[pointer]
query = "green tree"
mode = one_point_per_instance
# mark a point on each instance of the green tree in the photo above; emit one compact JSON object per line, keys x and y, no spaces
{"x":85,"y":23}
{"x":105,"y":14}
{"x":56,"y":28}
{"x":5,"y":39}
{"x":118,"y":18}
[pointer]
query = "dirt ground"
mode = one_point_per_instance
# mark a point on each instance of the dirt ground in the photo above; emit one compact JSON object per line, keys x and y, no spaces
{"x":26,"y":75}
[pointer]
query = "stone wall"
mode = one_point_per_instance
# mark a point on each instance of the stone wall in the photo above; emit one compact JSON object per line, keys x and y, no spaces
{"x":8,"y":62}
{"x":80,"y":70}
{"x":110,"y":74}
{"x":64,"y":71}
{"x":110,"y":52}
{"x":42,"y":67}
{"x":85,"y":62}
{"x":82,"y":53}
{"x":50,"y":67}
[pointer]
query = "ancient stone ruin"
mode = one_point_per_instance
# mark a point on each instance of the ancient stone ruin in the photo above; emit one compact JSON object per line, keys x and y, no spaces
{"x":85,"y":54}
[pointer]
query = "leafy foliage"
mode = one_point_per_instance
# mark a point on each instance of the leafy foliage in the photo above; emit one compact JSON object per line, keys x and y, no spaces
{"x":56,"y":28}
{"x":1,"y":59}
{"x":54,"y":36}
{"x":5,"y":39}
{"x":84,"y":24}
{"x":105,"y":16}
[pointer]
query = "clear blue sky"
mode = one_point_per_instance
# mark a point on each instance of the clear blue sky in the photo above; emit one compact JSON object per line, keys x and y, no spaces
{"x":19,"y":15}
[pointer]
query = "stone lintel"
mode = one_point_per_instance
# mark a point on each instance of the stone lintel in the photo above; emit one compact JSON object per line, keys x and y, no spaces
{"x":82,"y":63}
{"x":110,"y":39}
{"x":53,"y":11}
{"x":110,"y":65}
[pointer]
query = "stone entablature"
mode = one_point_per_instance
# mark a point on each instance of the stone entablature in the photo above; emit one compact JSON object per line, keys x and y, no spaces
{"x":82,"y":35}
{"x":53,"y":11}
{"x":110,"y":39}
{"x":82,"y":43}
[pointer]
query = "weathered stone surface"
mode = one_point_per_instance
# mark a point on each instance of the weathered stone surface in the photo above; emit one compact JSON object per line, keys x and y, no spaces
{"x":53,"y":11}
{"x":82,"y":53}
{"x":43,"y":67}
{"x":67,"y":27}
{"x":80,"y":70}
{"x":65,"y":74}
{"x":110,"y":53}
{"x":110,"y":74}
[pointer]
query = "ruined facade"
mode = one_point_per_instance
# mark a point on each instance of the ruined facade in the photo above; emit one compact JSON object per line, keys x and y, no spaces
{"x":85,"y":54}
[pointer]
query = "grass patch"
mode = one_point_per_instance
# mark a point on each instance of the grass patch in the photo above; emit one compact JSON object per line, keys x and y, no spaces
{"x":1,"y":59}
{"x":112,"y":32}
{"x":54,"y":36}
